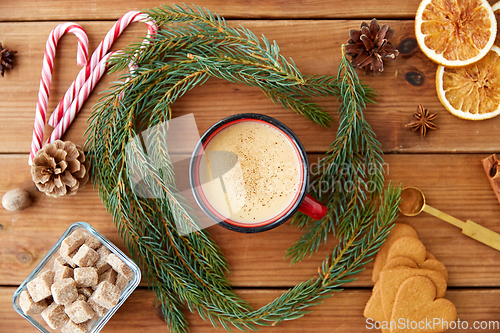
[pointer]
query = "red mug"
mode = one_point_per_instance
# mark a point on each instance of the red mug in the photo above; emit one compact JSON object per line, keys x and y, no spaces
{"x":301,"y":201}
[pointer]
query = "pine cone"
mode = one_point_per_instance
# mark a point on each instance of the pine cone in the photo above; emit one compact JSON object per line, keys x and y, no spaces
{"x":370,"y":46}
{"x":60,"y":168}
{"x":5,"y":59}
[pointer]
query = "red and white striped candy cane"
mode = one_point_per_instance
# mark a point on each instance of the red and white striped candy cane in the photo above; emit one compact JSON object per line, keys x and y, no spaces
{"x":46,"y":80}
{"x":102,"y":49}
{"x":83,"y":94}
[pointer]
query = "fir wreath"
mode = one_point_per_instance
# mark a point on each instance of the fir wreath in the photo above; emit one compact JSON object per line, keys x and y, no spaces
{"x":192,"y":46}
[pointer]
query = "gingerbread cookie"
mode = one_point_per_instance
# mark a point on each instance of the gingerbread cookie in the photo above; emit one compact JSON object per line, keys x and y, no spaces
{"x":399,"y":230}
{"x":437,"y":266}
{"x":391,"y":280}
{"x":373,"y":308}
{"x":416,"y":302}
{"x":408,"y":247}
{"x":408,"y":280}
{"x":400,"y":262}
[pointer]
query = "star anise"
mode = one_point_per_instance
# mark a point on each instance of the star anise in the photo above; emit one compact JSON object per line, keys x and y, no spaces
{"x":5,"y":59}
{"x":422,"y":120}
{"x":370,"y":46}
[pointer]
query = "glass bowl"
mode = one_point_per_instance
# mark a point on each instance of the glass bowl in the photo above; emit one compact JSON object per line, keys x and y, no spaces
{"x":96,"y":324}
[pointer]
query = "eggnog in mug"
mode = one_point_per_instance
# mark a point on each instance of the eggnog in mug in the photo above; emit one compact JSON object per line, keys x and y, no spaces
{"x":252,"y":172}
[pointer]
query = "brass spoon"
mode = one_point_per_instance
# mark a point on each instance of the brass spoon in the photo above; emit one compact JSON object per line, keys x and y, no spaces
{"x":413,"y":202}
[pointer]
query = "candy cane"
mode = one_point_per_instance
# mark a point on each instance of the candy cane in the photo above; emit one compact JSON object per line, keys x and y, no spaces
{"x":77,"y":103}
{"x":102,"y":49}
{"x":46,"y":80}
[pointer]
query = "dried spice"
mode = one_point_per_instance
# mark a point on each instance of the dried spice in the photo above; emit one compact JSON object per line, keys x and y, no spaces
{"x":16,"y":200}
{"x":422,"y":121}
{"x":6,"y":56}
{"x":370,"y":46}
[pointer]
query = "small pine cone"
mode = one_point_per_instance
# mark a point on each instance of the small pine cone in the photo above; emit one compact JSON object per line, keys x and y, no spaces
{"x":60,"y":168}
{"x":370,"y":47}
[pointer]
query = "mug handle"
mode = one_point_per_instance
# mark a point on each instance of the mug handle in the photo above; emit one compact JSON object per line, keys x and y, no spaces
{"x":313,"y":208}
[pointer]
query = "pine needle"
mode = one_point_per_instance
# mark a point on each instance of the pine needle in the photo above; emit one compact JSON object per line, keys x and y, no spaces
{"x":189,"y":271}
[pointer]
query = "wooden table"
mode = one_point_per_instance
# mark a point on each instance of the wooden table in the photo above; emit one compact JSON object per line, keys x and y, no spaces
{"x":446,"y":165}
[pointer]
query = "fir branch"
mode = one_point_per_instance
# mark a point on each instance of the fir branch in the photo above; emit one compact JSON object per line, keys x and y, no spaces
{"x":236,"y":55}
{"x":350,"y":174}
{"x":346,"y":260}
{"x":275,"y":85}
{"x":189,"y":270}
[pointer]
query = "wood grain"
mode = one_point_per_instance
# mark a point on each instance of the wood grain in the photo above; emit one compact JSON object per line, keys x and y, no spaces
{"x":216,"y":99}
{"x":32,"y":10}
{"x":446,"y":165}
{"x":342,"y":313}
{"x":256,"y":260}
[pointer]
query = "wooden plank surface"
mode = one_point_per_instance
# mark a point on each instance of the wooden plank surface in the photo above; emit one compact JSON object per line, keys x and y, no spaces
{"x":29,"y":10}
{"x":257,"y":259}
{"x":342,"y":313}
{"x":446,"y":165}
{"x":216,"y":99}
{"x":34,"y":10}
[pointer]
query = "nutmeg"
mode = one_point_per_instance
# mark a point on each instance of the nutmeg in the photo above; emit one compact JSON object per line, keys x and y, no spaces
{"x":16,"y":200}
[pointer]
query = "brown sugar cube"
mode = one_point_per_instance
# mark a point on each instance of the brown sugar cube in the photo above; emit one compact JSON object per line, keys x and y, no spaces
{"x":85,"y":257}
{"x":99,"y":310}
{"x":109,"y":275}
{"x":106,"y":295}
{"x":39,"y":287}
{"x":119,"y":266}
{"x":63,"y":273}
{"x":103,"y":252}
{"x":81,"y":298}
{"x":71,"y":327}
{"x":68,"y":258}
{"x":59,"y":263}
{"x":101,"y":265}
{"x":121,"y":281}
{"x":90,"y":240}
{"x":54,"y":315}
{"x":70,"y":246}
{"x":86,"y":277}
{"x":71,"y":243}
{"x":64,"y":291}
{"x":87,"y":292}
{"x":79,"y":312}
{"x":29,"y":307}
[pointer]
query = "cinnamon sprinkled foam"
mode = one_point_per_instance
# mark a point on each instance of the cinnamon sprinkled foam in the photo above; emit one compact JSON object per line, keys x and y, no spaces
{"x":264,"y":172}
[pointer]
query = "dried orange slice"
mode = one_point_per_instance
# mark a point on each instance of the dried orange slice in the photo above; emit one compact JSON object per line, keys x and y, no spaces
{"x":496,"y":10}
{"x":455,"y":33}
{"x":472,"y":92}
